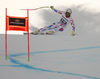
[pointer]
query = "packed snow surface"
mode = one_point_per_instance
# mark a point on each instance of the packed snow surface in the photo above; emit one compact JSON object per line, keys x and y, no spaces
{"x":57,"y":56}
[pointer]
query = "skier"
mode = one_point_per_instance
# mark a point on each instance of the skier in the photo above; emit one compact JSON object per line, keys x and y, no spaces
{"x":59,"y":26}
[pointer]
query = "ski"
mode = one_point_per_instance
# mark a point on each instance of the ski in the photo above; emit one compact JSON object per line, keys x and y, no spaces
{"x":38,"y":34}
{"x":29,"y":33}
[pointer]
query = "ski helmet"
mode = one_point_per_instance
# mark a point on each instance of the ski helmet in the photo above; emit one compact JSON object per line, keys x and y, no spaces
{"x":69,"y":11}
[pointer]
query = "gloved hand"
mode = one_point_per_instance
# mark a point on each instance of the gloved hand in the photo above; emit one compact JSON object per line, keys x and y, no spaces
{"x":72,"y":33}
{"x":52,"y":7}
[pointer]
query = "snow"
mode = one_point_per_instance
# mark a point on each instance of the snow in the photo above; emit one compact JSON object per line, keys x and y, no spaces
{"x":56,"y":56}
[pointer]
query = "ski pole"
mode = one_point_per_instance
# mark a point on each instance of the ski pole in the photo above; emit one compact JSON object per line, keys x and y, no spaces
{"x":37,"y":8}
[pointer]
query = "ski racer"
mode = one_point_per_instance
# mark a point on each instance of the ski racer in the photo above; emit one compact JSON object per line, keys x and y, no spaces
{"x":61,"y":25}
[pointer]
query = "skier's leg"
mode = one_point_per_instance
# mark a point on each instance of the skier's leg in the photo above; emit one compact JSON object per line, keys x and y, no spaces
{"x":55,"y":28}
{"x":46,"y":28}
{"x":42,"y":30}
{"x":50,"y":27}
{"x":55,"y":25}
{"x":59,"y":27}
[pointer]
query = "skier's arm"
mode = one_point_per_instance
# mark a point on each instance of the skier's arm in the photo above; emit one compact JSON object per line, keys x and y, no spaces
{"x":73,"y":27}
{"x":55,"y":10}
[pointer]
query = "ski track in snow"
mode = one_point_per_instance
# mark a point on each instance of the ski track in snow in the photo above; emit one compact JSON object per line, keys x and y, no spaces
{"x":20,"y":64}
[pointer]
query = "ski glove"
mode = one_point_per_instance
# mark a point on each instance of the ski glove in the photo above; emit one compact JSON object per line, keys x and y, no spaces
{"x":72,"y":33}
{"x":52,"y":7}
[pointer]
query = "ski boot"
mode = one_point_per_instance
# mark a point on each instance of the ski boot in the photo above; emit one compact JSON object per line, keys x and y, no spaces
{"x":50,"y":32}
{"x":35,"y":33}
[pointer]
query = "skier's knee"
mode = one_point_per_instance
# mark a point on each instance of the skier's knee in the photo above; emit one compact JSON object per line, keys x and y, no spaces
{"x":61,"y":29}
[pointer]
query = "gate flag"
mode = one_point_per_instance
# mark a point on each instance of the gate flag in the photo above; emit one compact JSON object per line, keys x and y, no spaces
{"x":16,"y":24}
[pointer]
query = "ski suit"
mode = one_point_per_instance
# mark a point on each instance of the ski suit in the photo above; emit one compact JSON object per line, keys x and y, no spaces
{"x":61,"y":25}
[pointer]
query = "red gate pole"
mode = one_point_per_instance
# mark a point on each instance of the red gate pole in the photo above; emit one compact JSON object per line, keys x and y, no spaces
{"x":28,"y":34}
{"x":6,"y":34}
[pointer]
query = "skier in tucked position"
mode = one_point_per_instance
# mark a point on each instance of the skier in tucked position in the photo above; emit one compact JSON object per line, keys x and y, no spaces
{"x":59,"y":26}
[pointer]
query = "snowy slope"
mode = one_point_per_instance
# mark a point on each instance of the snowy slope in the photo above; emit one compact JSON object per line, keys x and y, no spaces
{"x":56,"y":56}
